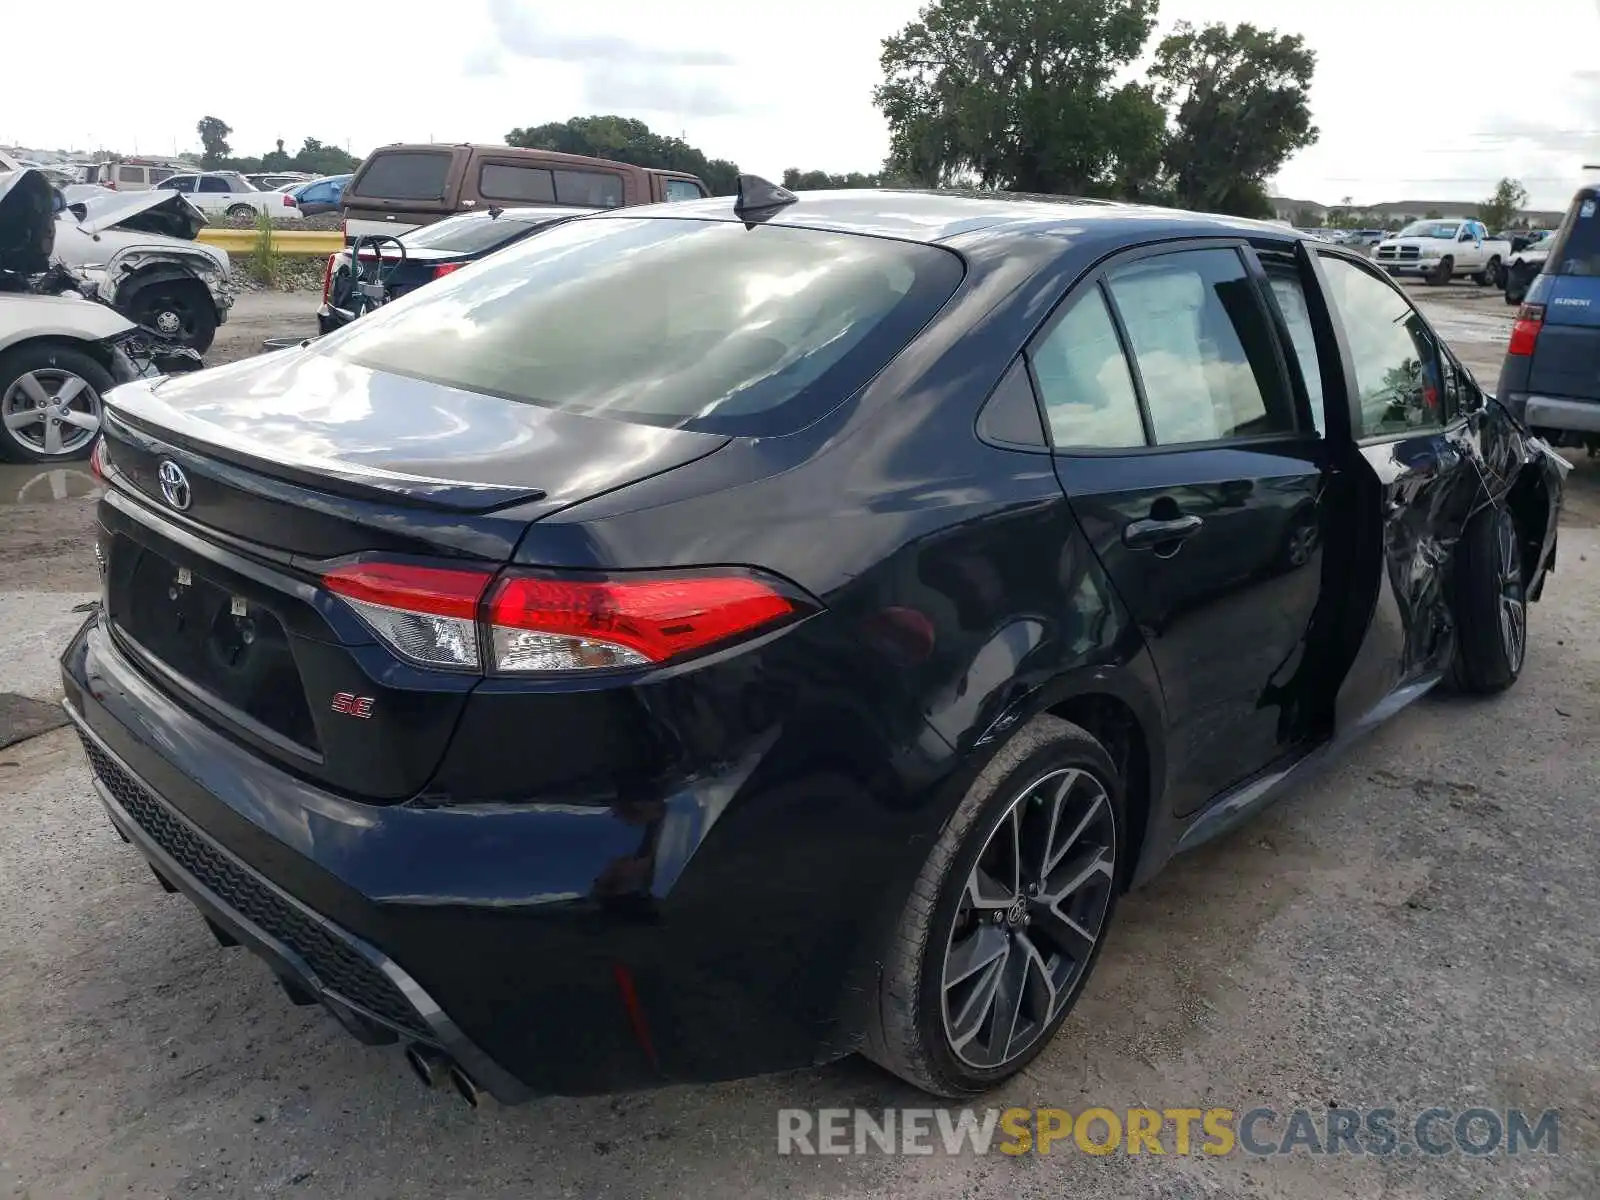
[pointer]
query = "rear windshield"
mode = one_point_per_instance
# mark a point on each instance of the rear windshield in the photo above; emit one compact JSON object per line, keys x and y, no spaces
{"x":405,"y":175}
{"x":469,"y":235}
{"x":703,"y":325}
{"x":1575,"y":249}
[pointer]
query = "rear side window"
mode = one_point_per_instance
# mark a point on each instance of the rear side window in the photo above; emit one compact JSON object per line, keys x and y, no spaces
{"x":405,"y":175}
{"x":465,"y":235}
{"x":592,"y":189}
{"x":1396,"y":361}
{"x":130,"y":174}
{"x":529,"y":185}
{"x":1575,"y":249}
{"x":214,"y":183}
{"x":157,"y":174}
{"x":1288,"y":291}
{"x":1084,"y":380}
{"x":1203,"y":346}
{"x":703,"y":325}
{"x":684,"y":189}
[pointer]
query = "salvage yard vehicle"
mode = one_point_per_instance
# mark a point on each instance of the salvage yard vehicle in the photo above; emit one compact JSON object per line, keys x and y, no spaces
{"x":230,"y":193}
{"x":130,"y":174}
{"x":1551,"y":374}
{"x":400,"y":187}
{"x":1522,"y":267}
{"x":319,"y":195}
{"x":392,"y":266}
{"x":139,"y":249}
{"x":59,"y":354}
{"x":718,"y":637}
{"x":1439,"y":251}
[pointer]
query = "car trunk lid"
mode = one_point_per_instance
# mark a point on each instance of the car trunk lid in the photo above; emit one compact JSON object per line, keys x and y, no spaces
{"x":234,"y":494}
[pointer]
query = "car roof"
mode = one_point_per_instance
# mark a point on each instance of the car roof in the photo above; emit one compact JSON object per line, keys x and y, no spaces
{"x":943,"y":215}
{"x":523,"y":212}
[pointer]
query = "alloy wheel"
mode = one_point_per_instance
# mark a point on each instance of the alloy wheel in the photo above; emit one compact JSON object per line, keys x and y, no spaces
{"x":1512,"y":600}
{"x":1033,"y":908}
{"x":51,"y":411}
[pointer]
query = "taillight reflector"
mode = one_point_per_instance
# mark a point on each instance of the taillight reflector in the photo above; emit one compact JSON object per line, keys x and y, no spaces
{"x":288,"y":201}
{"x":444,"y":269}
{"x":97,"y":460}
{"x":1525,"y":333}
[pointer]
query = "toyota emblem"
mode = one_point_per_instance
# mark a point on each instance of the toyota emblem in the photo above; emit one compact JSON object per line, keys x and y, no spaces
{"x":174,"y":484}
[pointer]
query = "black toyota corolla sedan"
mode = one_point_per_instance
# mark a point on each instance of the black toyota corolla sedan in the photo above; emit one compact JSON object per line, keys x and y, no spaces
{"x":723,"y":636}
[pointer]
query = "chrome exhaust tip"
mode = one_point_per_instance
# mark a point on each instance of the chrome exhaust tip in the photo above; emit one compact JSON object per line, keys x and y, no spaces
{"x":430,"y":1066}
{"x":466,"y":1087}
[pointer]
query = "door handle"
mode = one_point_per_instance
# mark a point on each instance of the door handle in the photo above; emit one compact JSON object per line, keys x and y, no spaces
{"x":1140,"y":535}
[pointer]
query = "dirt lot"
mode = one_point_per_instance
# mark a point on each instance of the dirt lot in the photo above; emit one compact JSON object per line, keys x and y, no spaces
{"x":1419,"y":928}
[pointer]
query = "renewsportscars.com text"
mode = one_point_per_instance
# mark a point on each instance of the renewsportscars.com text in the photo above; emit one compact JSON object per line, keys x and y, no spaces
{"x":1259,"y":1132}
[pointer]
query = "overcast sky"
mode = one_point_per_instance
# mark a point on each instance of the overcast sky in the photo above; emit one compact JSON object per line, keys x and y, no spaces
{"x":1422,"y":100}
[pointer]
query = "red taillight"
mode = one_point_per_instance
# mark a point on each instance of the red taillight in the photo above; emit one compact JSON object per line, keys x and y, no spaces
{"x":288,"y":201}
{"x":444,"y":269}
{"x":1525,"y":333}
{"x":97,"y":460}
{"x":543,"y":623}
{"x":327,"y":279}
{"x":548,"y":624}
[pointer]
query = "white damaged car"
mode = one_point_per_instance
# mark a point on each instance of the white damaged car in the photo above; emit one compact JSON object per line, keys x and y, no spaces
{"x":59,"y":353}
{"x":138,"y":248}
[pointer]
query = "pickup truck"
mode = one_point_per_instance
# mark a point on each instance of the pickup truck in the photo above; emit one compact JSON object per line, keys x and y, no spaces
{"x":1439,"y":251}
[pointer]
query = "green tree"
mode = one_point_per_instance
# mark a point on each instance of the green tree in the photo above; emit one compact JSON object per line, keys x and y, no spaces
{"x":1433,"y":214}
{"x":624,"y":139}
{"x":1021,"y":94}
{"x":318,"y":158}
{"x":1498,"y":210}
{"x":1305,"y":217}
{"x":1240,"y":107}
{"x":797,"y":180}
{"x":213,"y":133}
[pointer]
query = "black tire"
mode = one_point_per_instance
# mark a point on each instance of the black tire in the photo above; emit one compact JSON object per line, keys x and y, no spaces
{"x":58,"y":362}
{"x":1490,"y":276}
{"x":181,"y":309}
{"x":242,"y":210}
{"x":910,"y":1035}
{"x":1442,"y":274}
{"x":1491,"y":605}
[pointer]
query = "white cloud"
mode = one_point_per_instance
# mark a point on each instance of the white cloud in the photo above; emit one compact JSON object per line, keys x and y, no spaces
{"x":1429,"y":100}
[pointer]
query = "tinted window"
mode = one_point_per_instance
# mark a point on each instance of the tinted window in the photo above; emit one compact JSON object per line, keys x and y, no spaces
{"x":1084,"y":381}
{"x":466,"y":235}
{"x":157,"y":174}
{"x":1203,"y":347}
{"x":593,"y":189}
{"x":130,"y":174}
{"x":405,"y":175}
{"x":530,"y":185}
{"x":1291,"y":298}
{"x":684,"y":189}
{"x":1575,"y":248}
{"x":214,"y":183}
{"x":178,"y":183}
{"x":1396,"y":361}
{"x":692,"y":324}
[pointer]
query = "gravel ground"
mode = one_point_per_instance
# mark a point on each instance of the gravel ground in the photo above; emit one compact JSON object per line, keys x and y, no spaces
{"x":1418,"y":927}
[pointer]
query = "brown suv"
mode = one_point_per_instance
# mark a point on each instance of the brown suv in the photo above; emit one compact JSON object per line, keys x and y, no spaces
{"x":402,"y":186}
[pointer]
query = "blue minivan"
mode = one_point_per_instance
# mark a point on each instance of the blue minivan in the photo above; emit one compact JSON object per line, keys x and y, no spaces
{"x":1551,"y":375}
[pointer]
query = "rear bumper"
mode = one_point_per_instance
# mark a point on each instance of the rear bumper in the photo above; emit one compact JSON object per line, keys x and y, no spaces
{"x":728,"y":929}
{"x":1553,"y":412}
{"x":362,"y":987}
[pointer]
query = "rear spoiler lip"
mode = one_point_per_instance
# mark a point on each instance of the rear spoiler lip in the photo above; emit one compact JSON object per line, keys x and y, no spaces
{"x":338,"y":478}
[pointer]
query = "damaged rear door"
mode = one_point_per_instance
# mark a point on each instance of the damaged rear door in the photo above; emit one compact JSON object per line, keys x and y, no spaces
{"x":1415,"y":417}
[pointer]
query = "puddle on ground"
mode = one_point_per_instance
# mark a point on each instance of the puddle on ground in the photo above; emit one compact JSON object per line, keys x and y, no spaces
{"x":45,"y":485}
